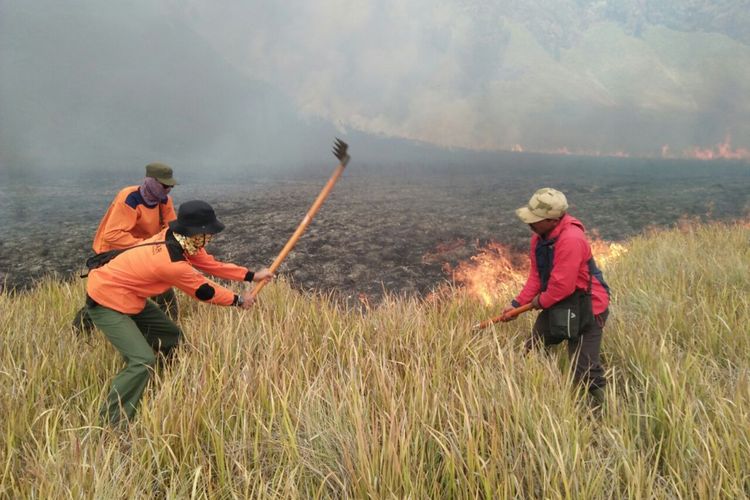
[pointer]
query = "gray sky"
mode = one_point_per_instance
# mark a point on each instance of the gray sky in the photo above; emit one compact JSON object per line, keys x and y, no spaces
{"x":238,"y":82}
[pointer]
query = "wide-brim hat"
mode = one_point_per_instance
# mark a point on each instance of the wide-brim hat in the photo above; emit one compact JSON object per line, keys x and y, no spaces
{"x":546,"y":203}
{"x":161,"y":172}
{"x":196,"y":217}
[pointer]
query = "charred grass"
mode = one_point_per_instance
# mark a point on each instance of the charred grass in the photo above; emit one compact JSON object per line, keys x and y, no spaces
{"x":382,"y":228}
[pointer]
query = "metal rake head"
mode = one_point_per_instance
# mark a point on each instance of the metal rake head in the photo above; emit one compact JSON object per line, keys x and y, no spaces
{"x":340,"y":151}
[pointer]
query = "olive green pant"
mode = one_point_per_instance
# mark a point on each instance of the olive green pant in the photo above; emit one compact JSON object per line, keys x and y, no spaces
{"x":166,"y":301}
{"x":139,"y":338}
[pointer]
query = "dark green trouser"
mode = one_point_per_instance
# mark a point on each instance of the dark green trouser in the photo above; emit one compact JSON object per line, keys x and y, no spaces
{"x":136,"y":336}
{"x":167,"y":302}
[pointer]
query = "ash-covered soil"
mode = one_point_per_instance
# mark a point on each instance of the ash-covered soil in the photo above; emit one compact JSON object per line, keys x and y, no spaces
{"x":381,"y":226}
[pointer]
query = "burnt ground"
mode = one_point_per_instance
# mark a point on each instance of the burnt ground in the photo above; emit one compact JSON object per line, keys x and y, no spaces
{"x":378,"y":224}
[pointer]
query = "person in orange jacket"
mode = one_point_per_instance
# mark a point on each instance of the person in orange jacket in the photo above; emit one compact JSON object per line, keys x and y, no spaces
{"x":136,"y":214}
{"x":118,"y":294}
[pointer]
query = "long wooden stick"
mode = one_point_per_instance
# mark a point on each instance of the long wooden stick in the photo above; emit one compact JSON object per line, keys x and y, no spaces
{"x":503,"y":317}
{"x":340,"y":152}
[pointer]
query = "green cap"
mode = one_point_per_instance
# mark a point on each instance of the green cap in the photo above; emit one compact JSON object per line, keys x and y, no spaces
{"x":161,"y":172}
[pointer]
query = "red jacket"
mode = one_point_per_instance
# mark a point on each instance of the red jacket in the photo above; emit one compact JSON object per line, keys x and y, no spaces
{"x":138,"y":273}
{"x":129,"y":221}
{"x":570,"y":270}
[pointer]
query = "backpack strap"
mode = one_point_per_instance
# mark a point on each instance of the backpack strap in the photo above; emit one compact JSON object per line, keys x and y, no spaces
{"x":99,"y":259}
{"x":595,"y":271}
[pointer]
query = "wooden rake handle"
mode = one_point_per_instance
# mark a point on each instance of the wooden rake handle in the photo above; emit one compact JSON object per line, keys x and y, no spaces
{"x":340,"y":151}
{"x":503,"y":317}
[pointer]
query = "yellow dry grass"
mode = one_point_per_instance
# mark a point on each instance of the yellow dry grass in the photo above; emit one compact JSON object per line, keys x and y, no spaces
{"x":301,"y":399}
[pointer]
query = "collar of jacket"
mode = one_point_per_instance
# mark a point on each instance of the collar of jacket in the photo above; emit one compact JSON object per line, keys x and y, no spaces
{"x":176,"y":253}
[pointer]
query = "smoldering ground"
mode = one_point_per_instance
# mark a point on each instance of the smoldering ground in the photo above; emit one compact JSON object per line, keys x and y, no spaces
{"x":374,"y":231}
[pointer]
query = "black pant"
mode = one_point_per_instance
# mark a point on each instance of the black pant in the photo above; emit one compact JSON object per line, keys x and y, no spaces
{"x":584,"y":352}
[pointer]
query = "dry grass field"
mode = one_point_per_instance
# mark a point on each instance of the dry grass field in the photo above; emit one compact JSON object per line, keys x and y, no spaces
{"x":305,"y":398}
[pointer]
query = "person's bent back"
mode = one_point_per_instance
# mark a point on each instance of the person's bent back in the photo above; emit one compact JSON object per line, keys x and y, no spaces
{"x":138,"y":212}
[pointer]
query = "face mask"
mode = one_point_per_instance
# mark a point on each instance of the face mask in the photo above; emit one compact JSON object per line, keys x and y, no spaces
{"x":153,"y":191}
{"x":193,"y":244}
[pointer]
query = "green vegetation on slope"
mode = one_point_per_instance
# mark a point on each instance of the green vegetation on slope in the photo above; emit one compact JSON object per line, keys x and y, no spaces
{"x":300,"y":398}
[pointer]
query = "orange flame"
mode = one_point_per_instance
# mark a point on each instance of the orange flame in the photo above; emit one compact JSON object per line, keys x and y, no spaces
{"x":606,"y":252}
{"x":495,"y":272}
{"x":722,"y":150}
{"x":719,"y":151}
{"x":490,"y":274}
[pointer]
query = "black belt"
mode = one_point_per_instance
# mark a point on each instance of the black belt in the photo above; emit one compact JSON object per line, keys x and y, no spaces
{"x":90,"y":302}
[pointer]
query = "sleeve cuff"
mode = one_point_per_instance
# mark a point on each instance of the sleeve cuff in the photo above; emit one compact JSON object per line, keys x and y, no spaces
{"x":249,"y":276}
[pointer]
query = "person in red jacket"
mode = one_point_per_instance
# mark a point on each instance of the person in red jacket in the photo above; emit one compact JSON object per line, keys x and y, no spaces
{"x":117,"y":299}
{"x":565,"y":283}
{"x":136,"y":214}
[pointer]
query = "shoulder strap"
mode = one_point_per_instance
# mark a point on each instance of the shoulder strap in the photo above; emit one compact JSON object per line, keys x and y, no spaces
{"x":99,"y":259}
{"x":595,"y":271}
{"x":120,"y":250}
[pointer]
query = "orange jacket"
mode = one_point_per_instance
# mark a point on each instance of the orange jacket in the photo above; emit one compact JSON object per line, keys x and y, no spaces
{"x":129,"y":221}
{"x":136,"y":274}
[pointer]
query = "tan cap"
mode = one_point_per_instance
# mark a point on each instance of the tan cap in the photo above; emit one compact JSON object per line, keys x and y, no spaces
{"x":546,"y":203}
{"x":161,"y":172}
